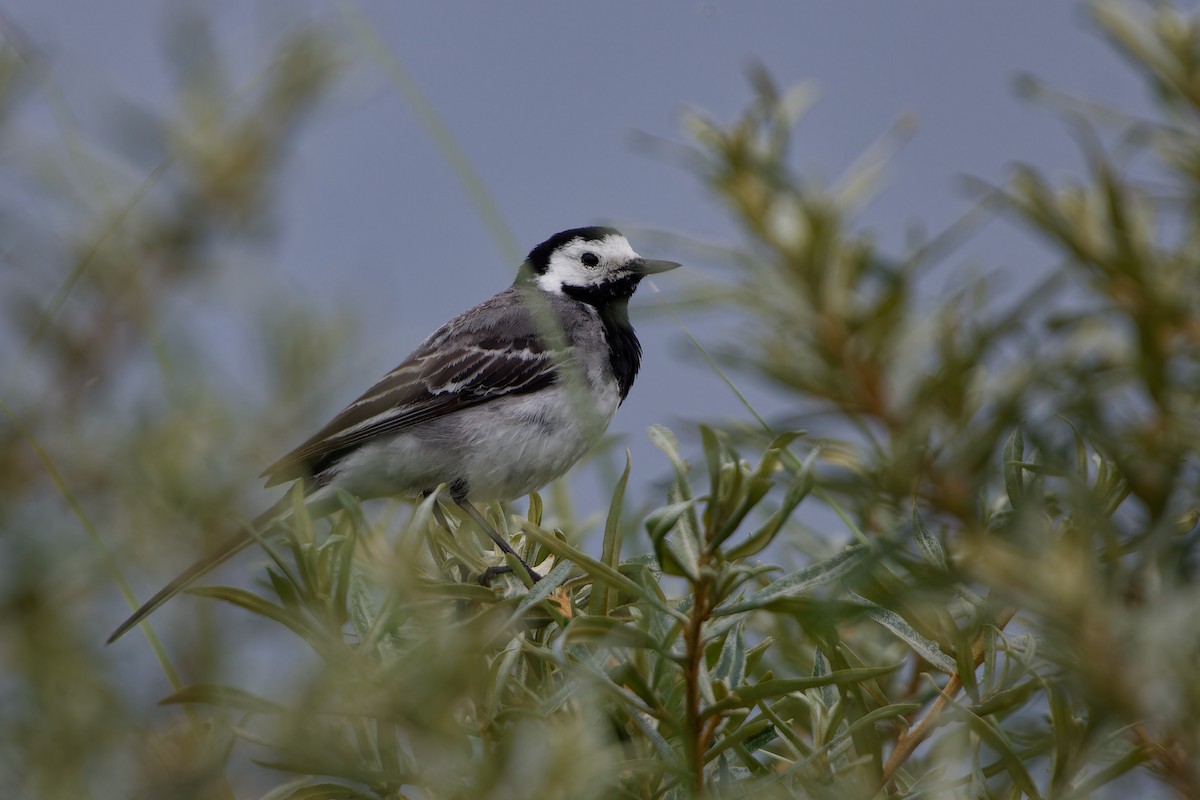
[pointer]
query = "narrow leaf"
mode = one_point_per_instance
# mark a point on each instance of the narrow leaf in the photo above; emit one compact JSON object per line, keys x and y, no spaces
{"x":684,"y":546}
{"x":754,"y":488}
{"x":801,"y":485}
{"x":665,"y":441}
{"x":329,"y":791}
{"x":1014,"y":765}
{"x":926,"y":648}
{"x":1087,"y":786}
{"x":662,"y":520}
{"x":1014,"y":455}
{"x":283,"y":589}
{"x":730,"y":668}
{"x":801,"y":581}
{"x":257,"y":605}
{"x":534,"y":514}
{"x":930,"y":547}
{"x":820,"y":669}
{"x":603,"y":595}
{"x":610,"y":632}
{"x":542,"y":589}
{"x":598,"y":570}
{"x":750,"y":730}
{"x":1009,"y":699}
{"x":778,"y":687}
{"x":223,"y":697}
{"x":715,"y":456}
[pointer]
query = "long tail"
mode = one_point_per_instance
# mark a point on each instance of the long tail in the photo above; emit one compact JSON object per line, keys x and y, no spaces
{"x":227,"y":550}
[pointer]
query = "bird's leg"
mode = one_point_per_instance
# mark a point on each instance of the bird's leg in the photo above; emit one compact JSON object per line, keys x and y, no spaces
{"x":474,"y":514}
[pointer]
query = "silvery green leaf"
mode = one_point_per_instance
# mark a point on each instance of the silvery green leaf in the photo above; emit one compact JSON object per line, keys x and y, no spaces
{"x":799,"y":488}
{"x":826,"y":693}
{"x":603,"y":596}
{"x":731,"y":664}
{"x":542,"y":589}
{"x":930,"y":547}
{"x":798,"y":582}
{"x":1014,"y":455}
{"x":660,"y":521}
{"x":665,"y":441}
{"x":926,"y":648}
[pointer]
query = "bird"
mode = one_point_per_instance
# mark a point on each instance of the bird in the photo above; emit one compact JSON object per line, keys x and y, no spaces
{"x":494,"y":404}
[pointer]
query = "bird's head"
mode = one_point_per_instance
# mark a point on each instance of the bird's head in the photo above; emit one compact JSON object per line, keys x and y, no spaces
{"x":592,"y":264}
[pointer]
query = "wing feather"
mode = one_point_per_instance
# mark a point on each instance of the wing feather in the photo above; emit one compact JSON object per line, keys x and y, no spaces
{"x":456,"y":368}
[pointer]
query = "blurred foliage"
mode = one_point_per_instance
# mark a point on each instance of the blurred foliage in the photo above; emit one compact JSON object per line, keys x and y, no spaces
{"x":115,"y":424}
{"x":1004,"y":609}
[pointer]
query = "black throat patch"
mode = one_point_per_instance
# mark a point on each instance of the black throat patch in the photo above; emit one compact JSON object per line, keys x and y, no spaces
{"x":611,"y":300}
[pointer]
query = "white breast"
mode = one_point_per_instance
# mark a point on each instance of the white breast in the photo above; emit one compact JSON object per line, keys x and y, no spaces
{"x":520,"y":444}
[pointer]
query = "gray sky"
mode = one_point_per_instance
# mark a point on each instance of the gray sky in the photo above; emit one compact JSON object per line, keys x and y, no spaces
{"x":543,"y":98}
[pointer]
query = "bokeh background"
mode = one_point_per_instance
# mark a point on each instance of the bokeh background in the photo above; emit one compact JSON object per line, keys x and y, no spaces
{"x":219,"y":222}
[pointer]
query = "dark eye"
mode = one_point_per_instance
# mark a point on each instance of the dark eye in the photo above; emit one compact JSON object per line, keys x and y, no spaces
{"x":590,"y":259}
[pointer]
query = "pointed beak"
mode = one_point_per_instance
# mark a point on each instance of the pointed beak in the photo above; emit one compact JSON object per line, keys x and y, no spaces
{"x":650,"y":266}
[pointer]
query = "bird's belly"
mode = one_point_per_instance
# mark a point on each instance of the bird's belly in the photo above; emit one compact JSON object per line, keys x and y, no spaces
{"x":523,"y":443}
{"x":502,"y":449}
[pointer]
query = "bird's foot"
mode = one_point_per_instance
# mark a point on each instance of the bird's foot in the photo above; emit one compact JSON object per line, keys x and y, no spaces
{"x":486,"y":577}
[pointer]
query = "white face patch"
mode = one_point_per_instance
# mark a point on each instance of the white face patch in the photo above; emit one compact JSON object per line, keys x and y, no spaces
{"x":568,"y":265}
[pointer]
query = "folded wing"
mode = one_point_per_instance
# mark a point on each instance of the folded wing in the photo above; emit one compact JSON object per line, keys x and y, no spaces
{"x":454,"y":369}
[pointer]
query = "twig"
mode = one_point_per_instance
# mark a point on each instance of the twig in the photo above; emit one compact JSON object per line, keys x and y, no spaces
{"x":910,"y":741}
{"x":1176,"y":769}
{"x":697,"y":735}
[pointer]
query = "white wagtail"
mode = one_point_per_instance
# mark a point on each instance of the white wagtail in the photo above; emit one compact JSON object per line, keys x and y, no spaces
{"x":498,"y":402}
